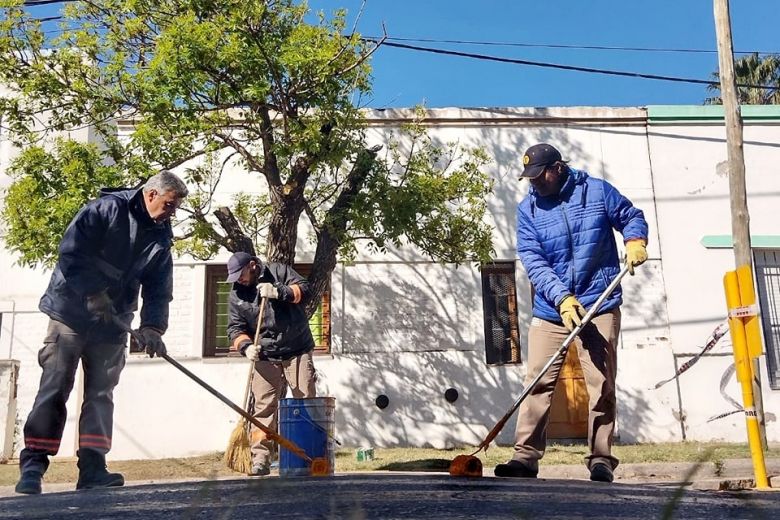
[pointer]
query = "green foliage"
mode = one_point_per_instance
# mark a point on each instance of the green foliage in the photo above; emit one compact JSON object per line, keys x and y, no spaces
{"x":752,"y":69}
{"x":237,"y":84}
{"x":430,"y":195}
{"x":49,"y":188}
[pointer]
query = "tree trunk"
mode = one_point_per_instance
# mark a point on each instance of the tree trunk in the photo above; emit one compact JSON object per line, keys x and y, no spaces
{"x":236,"y":240}
{"x":335,"y":227}
{"x":283,"y":228}
{"x":324,"y":264}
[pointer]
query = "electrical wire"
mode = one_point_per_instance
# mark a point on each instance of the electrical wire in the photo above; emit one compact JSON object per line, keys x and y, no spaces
{"x":575,"y":68}
{"x":563,"y":46}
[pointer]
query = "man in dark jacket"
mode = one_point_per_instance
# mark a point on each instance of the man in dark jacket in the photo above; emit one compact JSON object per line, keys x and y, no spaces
{"x":565,"y":240}
{"x":283,"y":355}
{"x":115,"y":246}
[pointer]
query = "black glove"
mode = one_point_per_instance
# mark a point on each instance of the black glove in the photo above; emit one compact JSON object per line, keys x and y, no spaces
{"x":152,"y":342}
{"x":100,"y":305}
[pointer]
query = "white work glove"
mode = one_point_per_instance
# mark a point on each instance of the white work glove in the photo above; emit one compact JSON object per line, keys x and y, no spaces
{"x":252,"y":352}
{"x":152,"y":342}
{"x":267,"y":290}
{"x":100,"y":305}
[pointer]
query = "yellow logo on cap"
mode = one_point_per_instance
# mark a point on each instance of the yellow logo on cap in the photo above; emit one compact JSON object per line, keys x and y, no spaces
{"x":526,"y":159}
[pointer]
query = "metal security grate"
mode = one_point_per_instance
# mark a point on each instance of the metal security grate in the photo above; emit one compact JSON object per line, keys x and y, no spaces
{"x":499,"y":302}
{"x":767,"y":262}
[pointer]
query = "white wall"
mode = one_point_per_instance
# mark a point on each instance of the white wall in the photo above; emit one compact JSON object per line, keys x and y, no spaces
{"x":692,"y":197}
{"x":409,"y":328}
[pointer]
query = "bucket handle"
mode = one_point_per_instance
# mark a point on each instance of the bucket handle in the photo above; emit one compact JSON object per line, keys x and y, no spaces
{"x":297,"y":412}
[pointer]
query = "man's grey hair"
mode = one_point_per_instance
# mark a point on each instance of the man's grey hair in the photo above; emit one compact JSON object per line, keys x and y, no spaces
{"x":166,"y":181}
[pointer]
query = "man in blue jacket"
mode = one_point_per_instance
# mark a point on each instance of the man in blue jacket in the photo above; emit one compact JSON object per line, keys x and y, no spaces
{"x":566,"y":243}
{"x":282,"y":356}
{"x":115,"y":246}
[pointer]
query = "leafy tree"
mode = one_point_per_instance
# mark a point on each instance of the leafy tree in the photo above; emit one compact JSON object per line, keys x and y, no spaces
{"x":752,"y":69}
{"x":266,"y":86}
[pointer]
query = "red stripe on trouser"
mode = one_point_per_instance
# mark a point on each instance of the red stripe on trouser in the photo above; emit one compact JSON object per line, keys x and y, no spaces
{"x":50,"y":446}
{"x":94,"y":441}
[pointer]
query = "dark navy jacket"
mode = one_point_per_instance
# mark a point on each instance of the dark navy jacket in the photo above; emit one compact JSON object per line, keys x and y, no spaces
{"x":112,"y":244}
{"x":285,"y":331}
{"x":567,"y":244}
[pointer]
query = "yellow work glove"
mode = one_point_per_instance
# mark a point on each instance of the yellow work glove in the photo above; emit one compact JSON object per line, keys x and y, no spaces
{"x":636,"y":254}
{"x":571,"y":311}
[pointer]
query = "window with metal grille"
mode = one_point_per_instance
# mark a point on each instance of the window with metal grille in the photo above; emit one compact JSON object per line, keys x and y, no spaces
{"x":216,"y":342}
{"x":499,"y":303}
{"x":767,"y":262}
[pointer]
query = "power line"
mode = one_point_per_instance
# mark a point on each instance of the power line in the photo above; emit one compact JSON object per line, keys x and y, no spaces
{"x":563,"y":46}
{"x":575,"y":68}
{"x":34,"y":3}
{"x":47,"y":19}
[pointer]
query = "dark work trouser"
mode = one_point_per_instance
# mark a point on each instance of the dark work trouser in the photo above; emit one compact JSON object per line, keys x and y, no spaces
{"x":102,"y":361}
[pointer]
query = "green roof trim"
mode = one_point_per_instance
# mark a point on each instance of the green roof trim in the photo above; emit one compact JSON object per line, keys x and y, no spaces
{"x":687,"y":113}
{"x":756,"y":241}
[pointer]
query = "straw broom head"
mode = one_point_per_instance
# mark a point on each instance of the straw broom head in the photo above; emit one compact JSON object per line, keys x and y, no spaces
{"x":238,"y":455}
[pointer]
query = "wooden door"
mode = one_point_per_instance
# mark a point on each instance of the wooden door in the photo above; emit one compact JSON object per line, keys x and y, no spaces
{"x":569,"y":412}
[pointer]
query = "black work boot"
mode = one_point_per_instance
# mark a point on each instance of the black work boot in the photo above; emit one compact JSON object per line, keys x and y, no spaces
{"x":515,"y":469}
{"x":93,"y":473}
{"x":29,"y":483}
{"x":600,"y":472}
{"x":32,"y":466}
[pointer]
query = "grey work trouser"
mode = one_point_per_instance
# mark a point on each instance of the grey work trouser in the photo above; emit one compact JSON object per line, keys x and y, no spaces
{"x":103,"y":361}
{"x":269,"y":384}
{"x":597,"y":349}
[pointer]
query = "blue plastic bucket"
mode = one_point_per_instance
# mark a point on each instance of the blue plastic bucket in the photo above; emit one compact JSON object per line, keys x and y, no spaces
{"x":310,"y":423}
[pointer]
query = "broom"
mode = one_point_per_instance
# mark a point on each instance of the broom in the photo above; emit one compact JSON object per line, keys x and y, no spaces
{"x":238,"y":455}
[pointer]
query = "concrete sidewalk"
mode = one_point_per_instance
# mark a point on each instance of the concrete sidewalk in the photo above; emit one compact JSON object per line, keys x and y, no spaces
{"x":731,"y":474}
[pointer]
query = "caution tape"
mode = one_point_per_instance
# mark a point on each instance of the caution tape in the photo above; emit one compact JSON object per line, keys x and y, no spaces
{"x":724,"y":381}
{"x":718,"y":333}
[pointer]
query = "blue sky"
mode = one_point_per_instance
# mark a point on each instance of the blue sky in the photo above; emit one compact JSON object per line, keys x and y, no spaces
{"x":407,"y":78}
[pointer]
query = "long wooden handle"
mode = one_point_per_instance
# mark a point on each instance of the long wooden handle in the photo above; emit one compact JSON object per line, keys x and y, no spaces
{"x":289,"y":445}
{"x":286,"y":443}
{"x":251,"y":374}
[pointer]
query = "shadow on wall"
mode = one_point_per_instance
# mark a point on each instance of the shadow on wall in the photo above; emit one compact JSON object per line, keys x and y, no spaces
{"x":638,"y":422}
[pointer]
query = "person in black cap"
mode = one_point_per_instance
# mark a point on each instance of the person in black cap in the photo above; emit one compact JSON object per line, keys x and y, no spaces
{"x":565,"y":240}
{"x":283,"y":356}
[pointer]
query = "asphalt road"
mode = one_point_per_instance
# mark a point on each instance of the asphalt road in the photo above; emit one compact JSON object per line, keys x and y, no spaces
{"x":404,"y":496}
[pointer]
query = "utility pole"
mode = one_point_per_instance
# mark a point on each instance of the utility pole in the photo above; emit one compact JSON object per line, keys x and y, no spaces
{"x":740,"y":217}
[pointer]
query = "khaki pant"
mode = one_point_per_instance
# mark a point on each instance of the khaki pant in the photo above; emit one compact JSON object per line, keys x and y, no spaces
{"x":269,"y":384}
{"x":596,"y":346}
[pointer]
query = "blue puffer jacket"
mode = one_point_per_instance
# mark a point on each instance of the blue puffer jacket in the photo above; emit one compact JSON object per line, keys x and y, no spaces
{"x":567,"y":245}
{"x":112,"y":244}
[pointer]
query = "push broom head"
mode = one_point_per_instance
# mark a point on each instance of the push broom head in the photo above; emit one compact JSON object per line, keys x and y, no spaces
{"x":466,"y":466}
{"x":319,"y":467}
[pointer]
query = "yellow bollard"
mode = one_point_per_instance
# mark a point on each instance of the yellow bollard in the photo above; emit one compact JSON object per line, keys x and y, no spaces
{"x":738,"y":313}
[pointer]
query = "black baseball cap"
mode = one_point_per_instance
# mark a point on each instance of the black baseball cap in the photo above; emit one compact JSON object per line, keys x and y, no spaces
{"x":537,"y":158}
{"x":236,"y":264}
